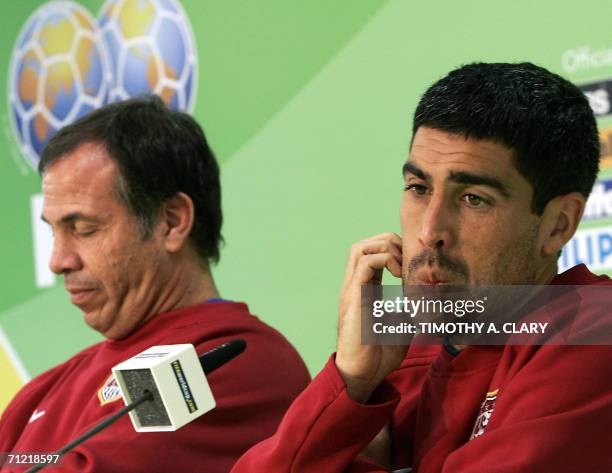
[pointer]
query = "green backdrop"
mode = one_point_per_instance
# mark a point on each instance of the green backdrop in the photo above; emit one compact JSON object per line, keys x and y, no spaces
{"x":308,"y":107}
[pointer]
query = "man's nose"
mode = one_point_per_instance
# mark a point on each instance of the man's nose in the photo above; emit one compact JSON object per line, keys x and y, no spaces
{"x":437,"y":224}
{"x":64,"y":257}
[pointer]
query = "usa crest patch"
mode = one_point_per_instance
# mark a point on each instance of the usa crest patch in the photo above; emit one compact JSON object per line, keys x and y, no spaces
{"x":109,"y":392}
{"x":484,"y":415}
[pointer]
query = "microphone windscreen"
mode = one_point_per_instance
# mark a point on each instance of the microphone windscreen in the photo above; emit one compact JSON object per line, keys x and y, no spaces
{"x":149,"y":413}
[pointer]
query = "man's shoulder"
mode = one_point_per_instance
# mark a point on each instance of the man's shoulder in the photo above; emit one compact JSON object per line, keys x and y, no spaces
{"x":210,"y":324}
{"x":581,"y":275}
{"x":219,"y":319}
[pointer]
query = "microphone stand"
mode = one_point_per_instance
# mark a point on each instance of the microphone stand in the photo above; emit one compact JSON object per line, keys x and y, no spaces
{"x":147,"y":396}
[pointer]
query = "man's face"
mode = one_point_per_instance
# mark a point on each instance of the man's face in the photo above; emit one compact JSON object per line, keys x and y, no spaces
{"x":112,"y":275}
{"x":466,"y":214}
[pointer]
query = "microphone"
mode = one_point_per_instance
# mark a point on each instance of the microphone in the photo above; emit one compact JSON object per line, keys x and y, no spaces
{"x":218,"y":356}
{"x":207,"y":363}
{"x":175,"y":376}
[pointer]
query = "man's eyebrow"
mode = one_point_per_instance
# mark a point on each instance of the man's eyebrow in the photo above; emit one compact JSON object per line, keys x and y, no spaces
{"x":460,"y":177}
{"x":71,"y":217}
{"x":471,"y":179}
{"x":410,"y":168}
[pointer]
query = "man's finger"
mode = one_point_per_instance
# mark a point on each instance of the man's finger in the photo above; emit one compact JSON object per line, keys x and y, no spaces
{"x":371,"y":266}
{"x":371,"y":246}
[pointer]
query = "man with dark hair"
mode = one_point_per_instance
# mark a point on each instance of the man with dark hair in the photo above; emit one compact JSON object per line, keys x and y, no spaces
{"x":132,"y":195}
{"x":502,"y":160}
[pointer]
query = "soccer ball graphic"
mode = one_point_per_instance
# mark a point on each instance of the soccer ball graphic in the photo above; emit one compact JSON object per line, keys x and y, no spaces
{"x":59,"y":72}
{"x":65,"y":64}
{"x":152,"y":50}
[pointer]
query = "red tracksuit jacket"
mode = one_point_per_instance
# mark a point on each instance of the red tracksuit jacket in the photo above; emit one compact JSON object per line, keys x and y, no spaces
{"x":252,"y":393}
{"x":505,"y":409}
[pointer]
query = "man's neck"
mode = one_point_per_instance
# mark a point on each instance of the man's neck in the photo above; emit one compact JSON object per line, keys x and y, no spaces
{"x":547,"y":273}
{"x":197,"y":287}
{"x":189,"y":283}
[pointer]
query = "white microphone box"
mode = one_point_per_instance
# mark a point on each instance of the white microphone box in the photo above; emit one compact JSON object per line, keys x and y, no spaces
{"x":174,"y":375}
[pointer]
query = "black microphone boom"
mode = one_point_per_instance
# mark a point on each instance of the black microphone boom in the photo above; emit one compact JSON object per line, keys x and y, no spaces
{"x":218,"y":356}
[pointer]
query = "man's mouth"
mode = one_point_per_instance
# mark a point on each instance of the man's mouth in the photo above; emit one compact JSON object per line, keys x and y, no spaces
{"x":431,"y":282}
{"x":432,"y":278}
{"x":80,"y":295}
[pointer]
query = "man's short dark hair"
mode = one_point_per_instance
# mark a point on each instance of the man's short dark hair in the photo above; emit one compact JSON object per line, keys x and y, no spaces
{"x":159,"y":152}
{"x":543,"y":118}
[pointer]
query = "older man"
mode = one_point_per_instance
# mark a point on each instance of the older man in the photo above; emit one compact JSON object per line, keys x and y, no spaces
{"x":132,"y":195}
{"x":503,"y":158}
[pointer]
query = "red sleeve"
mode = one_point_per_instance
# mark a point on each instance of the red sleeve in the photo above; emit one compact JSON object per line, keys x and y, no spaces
{"x":17,"y":414}
{"x":554,"y":416}
{"x":324,"y":430}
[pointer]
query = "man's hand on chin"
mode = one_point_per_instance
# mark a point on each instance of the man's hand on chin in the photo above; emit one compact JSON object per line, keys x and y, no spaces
{"x":363,"y":367}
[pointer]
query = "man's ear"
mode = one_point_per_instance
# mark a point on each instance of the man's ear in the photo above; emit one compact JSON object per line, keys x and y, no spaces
{"x":560,"y":219}
{"x":177,"y":218}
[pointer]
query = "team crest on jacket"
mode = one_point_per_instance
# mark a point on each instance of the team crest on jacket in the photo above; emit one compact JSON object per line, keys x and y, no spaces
{"x":109,"y":392}
{"x":485,"y":413}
